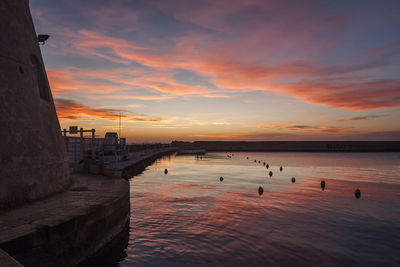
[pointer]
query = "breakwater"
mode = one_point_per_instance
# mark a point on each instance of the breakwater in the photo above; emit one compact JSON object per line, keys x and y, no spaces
{"x":291,"y":146}
{"x":141,"y":165}
{"x":136,"y":162}
{"x":69,"y":227}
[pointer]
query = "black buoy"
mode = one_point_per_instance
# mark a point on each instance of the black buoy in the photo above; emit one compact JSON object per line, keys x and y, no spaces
{"x":264,"y":163}
{"x":323,"y":185}
{"x":255,"y":160}
{"x":259,"y":161}
{"x":357,"y":193}
{"x":247,"y":157}
{"x":281,"y":168}
{"x":293,"y":179}
{"x":165,"y":171}
{"x":267,"y":166}
{"x":270,"y":173}
{"x":260,"y":190}
{"x":221,"y":178}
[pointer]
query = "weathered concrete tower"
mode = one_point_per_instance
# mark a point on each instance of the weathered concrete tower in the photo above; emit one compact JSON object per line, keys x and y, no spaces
{"x":33,"y":160}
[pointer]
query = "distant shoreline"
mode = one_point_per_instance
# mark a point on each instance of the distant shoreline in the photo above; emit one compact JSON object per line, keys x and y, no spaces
{"x":290,"y":146}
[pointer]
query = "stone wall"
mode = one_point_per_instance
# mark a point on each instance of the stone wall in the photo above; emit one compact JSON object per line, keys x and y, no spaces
{"x":33,"y":160}
{"x":291,"y":146}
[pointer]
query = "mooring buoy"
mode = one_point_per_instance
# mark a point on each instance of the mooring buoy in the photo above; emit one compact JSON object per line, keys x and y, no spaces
{"x":281,"y":168}
{"x":260,"y":190}
{"x":267,"y":166}
{"x":323,"y":185}
{"x":270,"y":173}
{"x":221,"y":178}
{"x":293,"y":179}
{"x":165,"y":171}
{"x":357,"y":193}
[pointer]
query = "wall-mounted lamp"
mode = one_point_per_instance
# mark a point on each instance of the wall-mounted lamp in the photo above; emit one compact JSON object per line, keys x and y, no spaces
{"x":42,"y":38}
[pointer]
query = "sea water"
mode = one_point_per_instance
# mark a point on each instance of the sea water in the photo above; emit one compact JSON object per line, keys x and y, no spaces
{"x":189,"y":217}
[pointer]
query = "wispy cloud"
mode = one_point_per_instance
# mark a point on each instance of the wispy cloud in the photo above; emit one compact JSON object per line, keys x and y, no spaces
{"x":229,"y":53}
{"x":302,"y":127}
{"x":361,"y":118}
{"x":73,"y":110}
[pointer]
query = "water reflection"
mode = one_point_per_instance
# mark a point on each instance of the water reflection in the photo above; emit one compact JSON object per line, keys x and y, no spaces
{"x":193,"y":219}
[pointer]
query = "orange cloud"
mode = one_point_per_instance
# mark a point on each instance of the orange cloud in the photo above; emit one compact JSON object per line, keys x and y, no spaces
{"x":73,"y":110}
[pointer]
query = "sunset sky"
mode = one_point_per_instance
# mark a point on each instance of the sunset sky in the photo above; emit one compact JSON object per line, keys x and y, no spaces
{"x":225,"y":70}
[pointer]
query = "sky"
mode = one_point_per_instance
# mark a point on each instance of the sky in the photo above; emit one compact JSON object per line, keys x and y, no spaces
{"x":224,"y":70}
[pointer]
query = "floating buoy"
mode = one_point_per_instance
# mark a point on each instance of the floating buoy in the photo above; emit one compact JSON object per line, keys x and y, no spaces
{"x":270,"y":173}
{"x":264,"y":163}
{"x":247,"y":157}
{"x":357,"y":193}
{"x":281,"y":168}
{"x":221,"y":178}
{"x":259,"y":161}
{"x":323,"y":185}
{"x":267,"y":166}
{"x":260,"y":190}
{"x":293,"y":179}
{"x":165,"y":171}
{"x":255,"y":160}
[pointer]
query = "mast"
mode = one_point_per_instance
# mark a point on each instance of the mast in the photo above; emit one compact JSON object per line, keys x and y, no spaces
{"x":119,"y":128}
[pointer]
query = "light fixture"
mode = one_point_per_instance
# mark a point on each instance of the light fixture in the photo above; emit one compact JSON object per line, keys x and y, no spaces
{"x":42,"y":38}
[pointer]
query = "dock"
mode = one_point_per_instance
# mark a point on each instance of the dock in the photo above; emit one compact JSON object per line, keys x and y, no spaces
{"x":64,"y":229}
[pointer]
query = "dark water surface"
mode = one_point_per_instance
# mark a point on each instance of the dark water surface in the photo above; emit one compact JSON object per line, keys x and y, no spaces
{"x":189,"y":217}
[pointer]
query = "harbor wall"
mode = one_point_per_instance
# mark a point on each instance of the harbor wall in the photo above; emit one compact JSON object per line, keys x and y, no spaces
{"x":33,"y":158}
{"x":68,"y":228}
{"x":291,"y":146}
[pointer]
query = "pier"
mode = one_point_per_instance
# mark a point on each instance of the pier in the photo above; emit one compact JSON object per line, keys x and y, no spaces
{"x":66,"y":228}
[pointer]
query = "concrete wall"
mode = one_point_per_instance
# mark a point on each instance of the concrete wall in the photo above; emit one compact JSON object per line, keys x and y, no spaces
{"x":33,"y":160}
{"x":293,"y":146}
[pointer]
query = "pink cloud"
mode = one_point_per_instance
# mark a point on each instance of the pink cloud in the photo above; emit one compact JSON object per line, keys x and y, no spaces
{"x":261,"y":53}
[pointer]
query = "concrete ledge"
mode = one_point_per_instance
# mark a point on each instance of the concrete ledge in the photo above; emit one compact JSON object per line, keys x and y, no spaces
{"x":7,"y":260}
{"x":67,"y":228}
{"x":136,"y":163}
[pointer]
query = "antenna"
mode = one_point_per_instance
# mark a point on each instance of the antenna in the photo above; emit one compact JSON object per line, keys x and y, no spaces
{"x":119,"y":129}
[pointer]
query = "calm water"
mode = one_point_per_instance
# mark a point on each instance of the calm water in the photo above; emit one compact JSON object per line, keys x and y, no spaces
{"x":188,"y":217}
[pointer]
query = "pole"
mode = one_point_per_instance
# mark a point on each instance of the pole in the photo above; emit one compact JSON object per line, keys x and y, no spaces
{"x":81,"y":143}
{"x":119,"y":126}
{"x":93,"y":139}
